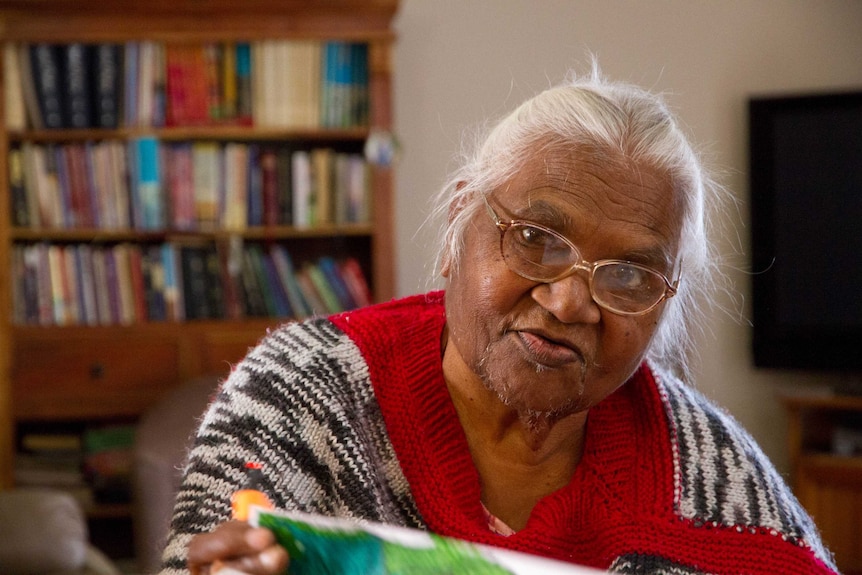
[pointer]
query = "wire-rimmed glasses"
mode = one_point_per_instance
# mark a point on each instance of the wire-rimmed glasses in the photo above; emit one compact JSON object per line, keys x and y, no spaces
{"x":540,"y":254}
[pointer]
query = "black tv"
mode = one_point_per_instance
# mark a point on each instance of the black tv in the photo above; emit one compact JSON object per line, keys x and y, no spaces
{"x":806,"y":231}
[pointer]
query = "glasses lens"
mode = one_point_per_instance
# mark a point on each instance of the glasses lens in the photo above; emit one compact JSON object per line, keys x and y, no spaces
{"x":628,"y":288}
{"x":537,"y":253}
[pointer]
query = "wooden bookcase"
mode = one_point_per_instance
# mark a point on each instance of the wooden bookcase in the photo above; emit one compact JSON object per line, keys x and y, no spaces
{"x":108,"y":372}
{"x":827,"y":478}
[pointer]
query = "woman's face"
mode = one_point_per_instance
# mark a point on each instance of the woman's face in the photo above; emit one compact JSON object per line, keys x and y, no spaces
{"x":549,"y":347}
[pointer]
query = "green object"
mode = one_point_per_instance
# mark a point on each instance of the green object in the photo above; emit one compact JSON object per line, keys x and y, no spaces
{"x":322,"y":550}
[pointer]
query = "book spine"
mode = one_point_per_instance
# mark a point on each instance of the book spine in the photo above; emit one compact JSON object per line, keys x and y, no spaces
{"x":76,"y":84}
{"x":107,"y":71}
{"x":46,"y":70}
{"x":14,"y":90}
{"x":18,"y":190}
{"x":148,"y":182}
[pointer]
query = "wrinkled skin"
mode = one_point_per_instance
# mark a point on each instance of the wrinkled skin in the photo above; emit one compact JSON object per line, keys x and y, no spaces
{"x":549,"y":347}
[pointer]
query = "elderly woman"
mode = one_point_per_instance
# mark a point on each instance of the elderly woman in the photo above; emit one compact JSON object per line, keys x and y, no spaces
{"x":535,"y":404}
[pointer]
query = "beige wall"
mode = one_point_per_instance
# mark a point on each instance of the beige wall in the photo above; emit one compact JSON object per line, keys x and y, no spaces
{"x":460,"y":61}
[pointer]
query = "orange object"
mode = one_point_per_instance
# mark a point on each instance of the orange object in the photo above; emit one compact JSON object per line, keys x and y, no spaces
{"x":243,"y":499}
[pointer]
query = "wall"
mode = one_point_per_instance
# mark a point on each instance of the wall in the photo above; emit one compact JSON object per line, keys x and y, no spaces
{"x":459,"y":62}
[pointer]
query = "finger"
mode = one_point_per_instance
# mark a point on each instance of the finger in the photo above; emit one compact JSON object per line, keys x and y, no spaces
{"x":271,"y":561}
{"x":231,"y":539}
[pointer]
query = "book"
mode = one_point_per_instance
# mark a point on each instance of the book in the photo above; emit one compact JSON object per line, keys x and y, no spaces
{"x":244,"y":96}
{"x":173,"y":281}
{"x":179,"y":184}
{"x":18,"y":190}
{"x":230,"y":269}
{"x":76,"y":84}
{"x":28,"y":87}
{"x":101,"y":287}
{"x":125,"y":296}
{"x":106,"y":70}
{"x":268,"y":165}
{"x":313,"y":299}
{"x":277,"y":290}
{"x":284,"y":267}
{"x":339,"y":546}
{"x":152,"y":270}
{"x":89,"y":301}
{"x":301,"y":188}
{"x":206,"y":174}
{"x":332,"y":272}
{"x":324,"y":289}
{"x":321,"y":199}
{"x":194,"y":270}
{"x":130,"y":92}
{"x":355,"y":280}
{"x":46,"y":71}
{"x":13,"y":86}
{"x":147,"y":183}
{"x":256,"y":257}
{"x":252,"y":291}
{"x":236,"y":181}
{"x":215,"y":292}
{"x":284,"y":184}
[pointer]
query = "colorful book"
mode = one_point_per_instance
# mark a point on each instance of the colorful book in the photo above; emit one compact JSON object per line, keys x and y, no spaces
{"x":338,"y":546}
{"x":287,"y":275}
{"x":149,"y":182}
{"x":332,"y":272}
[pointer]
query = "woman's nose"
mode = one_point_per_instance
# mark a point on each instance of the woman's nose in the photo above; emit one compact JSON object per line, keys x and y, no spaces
{"x":568,"y":299}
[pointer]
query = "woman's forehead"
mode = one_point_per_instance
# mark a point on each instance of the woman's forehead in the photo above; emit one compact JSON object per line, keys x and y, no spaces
{"x":577,"y":191}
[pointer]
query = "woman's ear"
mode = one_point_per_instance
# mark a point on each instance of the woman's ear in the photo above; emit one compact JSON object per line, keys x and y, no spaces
{"x":455,"y":206}
{"x":458,"y":201}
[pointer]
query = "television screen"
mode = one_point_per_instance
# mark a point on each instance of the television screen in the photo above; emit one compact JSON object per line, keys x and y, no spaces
{"x":806,"y":229}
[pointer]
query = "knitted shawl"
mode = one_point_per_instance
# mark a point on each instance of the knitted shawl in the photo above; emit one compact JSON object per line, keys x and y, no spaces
{"x":351,"y":417}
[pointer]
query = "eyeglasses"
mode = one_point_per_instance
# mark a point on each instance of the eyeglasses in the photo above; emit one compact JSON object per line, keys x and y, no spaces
{"x":540,"y":254}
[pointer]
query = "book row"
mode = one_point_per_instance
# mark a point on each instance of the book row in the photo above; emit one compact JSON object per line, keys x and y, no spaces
{"x":146,"y":184}
{"x":124,"y":283}
{"x":302,"y":84}
{"x":92,"y":463}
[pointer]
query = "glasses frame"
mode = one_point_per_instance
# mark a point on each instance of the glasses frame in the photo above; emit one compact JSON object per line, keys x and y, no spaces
{"x":671,"y":288}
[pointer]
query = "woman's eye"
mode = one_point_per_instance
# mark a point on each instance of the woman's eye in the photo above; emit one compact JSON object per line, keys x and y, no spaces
{"x":533,"y":236}
{"x":628,"y":277}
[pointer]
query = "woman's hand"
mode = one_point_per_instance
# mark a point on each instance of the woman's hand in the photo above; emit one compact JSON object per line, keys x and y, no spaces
{"x":238,"y":546}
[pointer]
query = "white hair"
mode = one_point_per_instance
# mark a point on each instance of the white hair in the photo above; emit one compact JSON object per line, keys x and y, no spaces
{"x":619,"y":118}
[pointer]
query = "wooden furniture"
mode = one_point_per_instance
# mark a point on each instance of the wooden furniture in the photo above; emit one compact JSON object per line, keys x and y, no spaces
{"x":105,"y":372}
{"x":828,"y":484}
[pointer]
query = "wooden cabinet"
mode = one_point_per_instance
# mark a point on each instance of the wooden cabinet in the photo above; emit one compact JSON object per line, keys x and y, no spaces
{"x":55,"y":372}
{"x":825,"y":447}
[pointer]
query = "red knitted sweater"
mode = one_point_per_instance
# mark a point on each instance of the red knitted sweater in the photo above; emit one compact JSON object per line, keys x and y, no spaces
{"x":622,"y":508}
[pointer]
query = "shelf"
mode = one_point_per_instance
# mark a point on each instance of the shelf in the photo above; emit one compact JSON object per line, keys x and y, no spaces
{"x":147,"y":236}
{"x":85,"y":373}
{"x":217,"y":133}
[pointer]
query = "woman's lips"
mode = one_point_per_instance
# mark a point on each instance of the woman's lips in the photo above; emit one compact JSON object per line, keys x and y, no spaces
{"x":548,"y":352}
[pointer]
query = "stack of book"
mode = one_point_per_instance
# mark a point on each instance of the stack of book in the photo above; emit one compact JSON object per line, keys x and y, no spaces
{"x":149,"y":185}
{"x":126,"y":283}
{"x":53,"y":459}
{"x":293,"y":84}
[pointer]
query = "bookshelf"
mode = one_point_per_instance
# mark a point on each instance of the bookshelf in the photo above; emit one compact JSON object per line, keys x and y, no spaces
{"x":135,"y":198}
{"x":825,"y":447}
